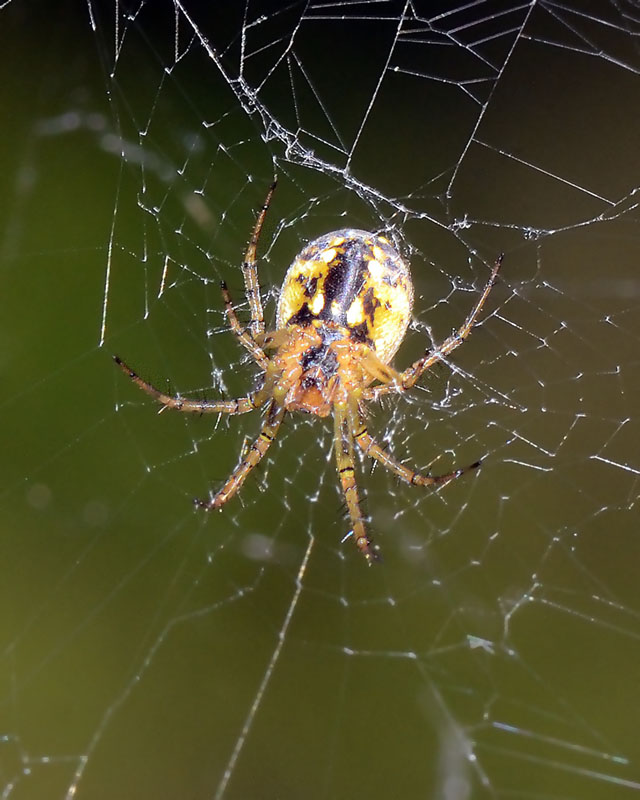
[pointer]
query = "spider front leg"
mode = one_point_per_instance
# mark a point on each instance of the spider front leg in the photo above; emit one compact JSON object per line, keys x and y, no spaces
{"x":275,"y":414}
{"x":370,"y":447}
{"x":343,"y":443}
{"x":408,"y":378}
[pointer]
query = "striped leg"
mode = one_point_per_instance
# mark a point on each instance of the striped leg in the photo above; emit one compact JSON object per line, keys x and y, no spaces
{"x":368,"y":445}
{"x":241,"y":405}
{"x":406,"y":379}
{"x":343,"y":443}
{"x":245,"y":339}
{"x":234,"y":482}
{"x":250,"y":270}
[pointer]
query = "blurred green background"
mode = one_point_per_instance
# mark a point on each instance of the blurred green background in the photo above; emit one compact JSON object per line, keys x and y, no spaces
{"x":152,"y":651}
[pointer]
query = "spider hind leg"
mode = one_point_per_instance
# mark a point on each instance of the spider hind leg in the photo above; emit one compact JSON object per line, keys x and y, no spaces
{"x":250,"y":269}
{"x":405,"y":380}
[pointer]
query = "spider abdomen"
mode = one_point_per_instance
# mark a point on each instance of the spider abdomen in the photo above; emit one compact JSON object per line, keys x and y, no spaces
{"x":353,"y":281}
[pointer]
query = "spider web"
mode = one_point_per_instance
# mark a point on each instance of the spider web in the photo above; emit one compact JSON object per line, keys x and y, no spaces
{"x":149,"y":650}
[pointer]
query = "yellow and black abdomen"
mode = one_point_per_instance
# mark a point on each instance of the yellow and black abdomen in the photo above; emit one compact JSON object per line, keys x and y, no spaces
{"x":352,"y":279}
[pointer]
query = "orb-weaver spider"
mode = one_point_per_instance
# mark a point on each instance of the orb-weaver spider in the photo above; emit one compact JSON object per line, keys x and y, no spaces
{"x":343,"y":311}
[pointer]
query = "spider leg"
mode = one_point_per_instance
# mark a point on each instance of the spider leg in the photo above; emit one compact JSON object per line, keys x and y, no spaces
{"x":411,"y":374}
{"x":245,"y":339}
{"x":250,"y":270}
{"x":275,"y":414}
{"x":370,"y":447}
{"x":343,"y":443}
{"x":240,"y":405}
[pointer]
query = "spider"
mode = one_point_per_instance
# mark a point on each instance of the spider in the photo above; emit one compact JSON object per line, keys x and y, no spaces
{"x":343,"y":311}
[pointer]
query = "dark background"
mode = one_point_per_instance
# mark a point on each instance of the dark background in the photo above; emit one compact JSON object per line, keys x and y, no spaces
{"x":151,"y":651}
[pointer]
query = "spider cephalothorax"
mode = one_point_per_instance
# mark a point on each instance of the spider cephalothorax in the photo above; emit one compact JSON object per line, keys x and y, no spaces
{"x":343,"y":311}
